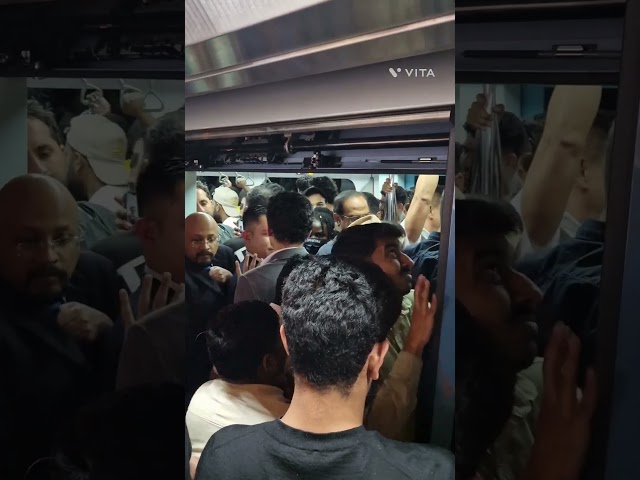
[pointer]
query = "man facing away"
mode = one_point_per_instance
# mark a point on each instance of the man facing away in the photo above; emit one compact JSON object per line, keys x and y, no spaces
{"x":289,"y":220}
{"x":330,"y":317}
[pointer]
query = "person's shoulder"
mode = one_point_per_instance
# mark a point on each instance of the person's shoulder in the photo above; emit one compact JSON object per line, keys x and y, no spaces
{"x":418,"y":461}
{"x":234,"y":437}
{"x":89,"y":261}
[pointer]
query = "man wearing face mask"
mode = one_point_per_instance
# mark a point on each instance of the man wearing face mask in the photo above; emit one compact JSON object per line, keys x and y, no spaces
{"x":322,"y":230}
{"x":55,"y":319}
{"x":334,"y":322}
{"x":209,"y":286}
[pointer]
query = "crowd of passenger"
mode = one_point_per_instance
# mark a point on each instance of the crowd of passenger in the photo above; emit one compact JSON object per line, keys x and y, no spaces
{"x":83,"y":383}
{"x":309,"y":316}
{"x":528,"y":263}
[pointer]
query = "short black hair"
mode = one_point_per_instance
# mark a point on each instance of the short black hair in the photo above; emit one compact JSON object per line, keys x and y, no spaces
{"x":327,"y":186}
{"x":303,"y":183}
{"x":360,"y":241}
{"x":261,"y":194}
{"x":289,"y":217}
{"x":200,"y":185}
{"x":36,"y":111}
{"x":165,"y":140}
{"x":338,"y":204}
{"x":252,"y":214}
{"x":325,"y":217}
{"x":401,"y":195}
{"x":373,"y":201}
{"x":478,"y":216}
{"x":513,"y":135}
{"x":158,"y":180}
{"x":314,"y":191}
{"x":240,"y":337}
{"x":332,"y":319}
{"x":119,"y":436}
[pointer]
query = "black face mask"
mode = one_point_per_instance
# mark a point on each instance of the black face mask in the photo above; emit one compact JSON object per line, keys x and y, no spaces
{"x":314,"y":244}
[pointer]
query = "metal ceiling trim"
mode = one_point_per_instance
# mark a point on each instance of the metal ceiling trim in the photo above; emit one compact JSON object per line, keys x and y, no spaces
{"x":315,"y":125}
{"x":538,"y":6}
{"x":321,"y":24}
{"x":437,"y":37}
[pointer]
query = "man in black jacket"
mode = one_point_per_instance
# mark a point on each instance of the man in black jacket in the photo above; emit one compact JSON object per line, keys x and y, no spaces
{"x":58,"y":344}
{"x":209,"y":285}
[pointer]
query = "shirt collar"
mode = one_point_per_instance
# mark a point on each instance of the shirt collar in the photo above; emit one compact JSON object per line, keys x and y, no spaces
{"x":591,"y":231}
{"x":273,"y":254}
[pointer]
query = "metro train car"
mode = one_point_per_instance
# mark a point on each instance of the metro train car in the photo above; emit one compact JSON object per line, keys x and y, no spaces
{"x":363,"y":101}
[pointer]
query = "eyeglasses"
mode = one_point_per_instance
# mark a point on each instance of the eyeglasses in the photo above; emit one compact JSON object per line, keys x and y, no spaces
{"x":353,"y":218}
{"x":58,"y":244}
{"x":202,"y":241}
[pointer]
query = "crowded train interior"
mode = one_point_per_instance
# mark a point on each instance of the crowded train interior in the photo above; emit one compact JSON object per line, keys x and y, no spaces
{"x":544,"y":168}
{"x":297,"y":156}
{"x":92,"y":93}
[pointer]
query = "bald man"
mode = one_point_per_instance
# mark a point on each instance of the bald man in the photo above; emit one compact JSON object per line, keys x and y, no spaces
{"x":209,"y":286}
{"x":57,"y":306}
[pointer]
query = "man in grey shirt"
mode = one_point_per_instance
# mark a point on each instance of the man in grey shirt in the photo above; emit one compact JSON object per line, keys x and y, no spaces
{"x":289,"y":218}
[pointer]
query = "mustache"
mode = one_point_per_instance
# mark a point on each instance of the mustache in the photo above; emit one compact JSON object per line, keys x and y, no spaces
{"x":43,"y":272}
{"x":204,"y":253}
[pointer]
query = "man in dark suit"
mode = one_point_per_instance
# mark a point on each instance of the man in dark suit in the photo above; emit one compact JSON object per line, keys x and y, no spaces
{"x":289,"y":219}
{"x":209,"y":286}
{"x":58,"y":344}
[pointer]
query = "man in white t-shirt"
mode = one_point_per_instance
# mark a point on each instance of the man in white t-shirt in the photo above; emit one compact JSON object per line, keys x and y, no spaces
{"x":249,"y":358}
{"x":96,"y":151}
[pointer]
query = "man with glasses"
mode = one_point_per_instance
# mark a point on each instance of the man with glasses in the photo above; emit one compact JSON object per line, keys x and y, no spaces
{"x":209,"y":286}
{"x":348,"y":207}
{"x":57,"y":338}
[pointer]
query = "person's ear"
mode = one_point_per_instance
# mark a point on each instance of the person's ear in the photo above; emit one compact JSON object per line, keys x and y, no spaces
{"x":246,"y":236}
{"x":270,"y":365}
{"x":337,"y":218}
{"x":376,"y":359}
{"x":283,"y":337}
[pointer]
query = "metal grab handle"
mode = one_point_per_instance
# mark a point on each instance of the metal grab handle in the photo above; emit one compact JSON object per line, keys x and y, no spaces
{"x":85,"y":89}
{"x":152,"y":93}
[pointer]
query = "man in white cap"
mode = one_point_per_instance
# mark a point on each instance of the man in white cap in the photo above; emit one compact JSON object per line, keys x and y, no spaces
{"x":96,"y":150}
{"x":226,"y":207}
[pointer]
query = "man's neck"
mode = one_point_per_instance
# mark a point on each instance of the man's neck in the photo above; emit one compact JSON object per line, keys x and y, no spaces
{"x":277,"y":246}
{"x":92,"y":185}
{"x":315,"y":412}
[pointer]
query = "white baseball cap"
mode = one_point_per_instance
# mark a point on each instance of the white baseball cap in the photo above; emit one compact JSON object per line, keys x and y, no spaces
{"x":104,"y":144}
{"x":229,"y":201}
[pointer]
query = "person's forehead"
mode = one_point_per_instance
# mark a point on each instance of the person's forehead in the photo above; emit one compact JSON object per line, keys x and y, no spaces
{"x":388,"y":243}
{"x":38,"y":131}
{"x":355,"y":203}
{"x":201,"y":193}
{"x":201,"y":228}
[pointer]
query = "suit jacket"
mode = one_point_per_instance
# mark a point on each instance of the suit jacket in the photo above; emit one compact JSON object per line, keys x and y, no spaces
{"x":204,"y":299}
{"x":260,"y":283}
{"x":154,"y":349}
{"x":46,"y":375}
